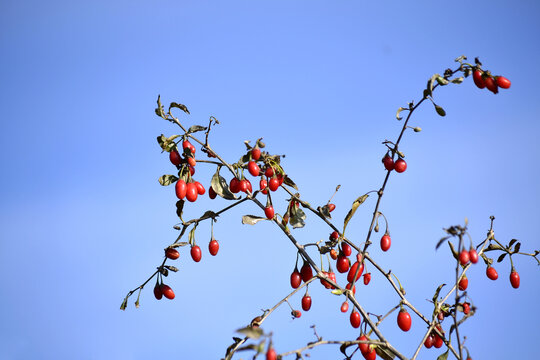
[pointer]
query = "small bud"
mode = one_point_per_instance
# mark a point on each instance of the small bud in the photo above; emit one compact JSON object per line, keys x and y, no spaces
{"x":417,"y":129}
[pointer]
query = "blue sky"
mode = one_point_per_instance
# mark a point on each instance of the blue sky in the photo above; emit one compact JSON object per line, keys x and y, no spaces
{"x":83,"y":219}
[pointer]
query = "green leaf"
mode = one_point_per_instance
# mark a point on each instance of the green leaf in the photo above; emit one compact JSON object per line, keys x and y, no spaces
{"x":195,"y":128}
{"x":351,"y":212}
{"x":442,"y":81}
{"x":443,"y":356}
{"x":167,"y":144}
{"x":288,"y":181}
{"x":437,"y":292}
{"x":399,"y":111}
{"x":429,"y":87}
{"x":260,"y":143}
{"x":166,"y":180}
{"x":297,"y":219}
{"x":337,"y":292}
{"x":159,"y":110}
{"x":123,"y":306}
{"x":252,"y":219}
{"x":440,"y":110}
{"x":220,"y":187}
{"x":250,"y":332}
{"x":179,"y":106}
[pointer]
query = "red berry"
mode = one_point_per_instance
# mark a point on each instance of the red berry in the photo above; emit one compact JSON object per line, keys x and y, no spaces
{"x":234,"y":185}
{"x":355,"y":319}
{"x":200,"y":188}
{"x":463,"y":257}
{"x":175,"y":158}
{"x":280,"y":179}
{"x":191,"y":192}
{"x":492,"y":273}
{"x":196,"y":253}
{"x":463,"y":283}
{"x":191,"y":170}
{"x":440,"y":315}
{"x":248,"y":185}
{"x":333,"y":254}
{"x":296,"y":313}
{"x":296,"y":279}
{"x":331,"y":207}
{"x":325,"y":283}
{"x":342,"y":264}
{"x":253,"y":168}
{"x":263,"y":184}
{"x":473,"y":255}
{"x":242,"y":186}
{"x":400,"y":165}
{"x":271,"y":354}
{"x":191,"y":161}
{"x":466,"y":308}
{"x":386,"y":241}
{"x":211,"y":193}
{"x":478,"y":79}
{"x":404,"y":320}
{"x":352,"y":271}
{"x":367,"y":278}
{"x":180,"y":189}
{"x":348,"y":287}
{"x":187,"y":144}
{"x":514,"y":279}
{"x":429,"y":342}
{"x":346,"y":249}
{"x":437,"y":341}
{"x":167,"y":291}
{"x":255,"y":153}
{"x":306,"y":302}
{"x":213,"y":247}
{"x":269,"y":212}
{"x":172,"y":254}
{"x":306,"y":272}
{"x":344,"y":307}
{"x":157,"y":292}
{"x":273,"y":184}
{"x":388,"y":163}
{"x":334,"y":235}
{"x":491,"y":85}
{"x":503,"y":82}
{"x":371,"y":354}
{"x":269,"y":171}
{"x":363,"y":347}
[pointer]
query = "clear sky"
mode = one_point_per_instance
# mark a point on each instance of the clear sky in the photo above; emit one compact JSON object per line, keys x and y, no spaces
{"x":83,"y":218}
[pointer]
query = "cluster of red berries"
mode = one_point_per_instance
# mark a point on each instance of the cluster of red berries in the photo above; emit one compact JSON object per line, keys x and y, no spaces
{"x":161,"y":290}
{"x":434,"y":340}
{"x":367,"y":350}
{"x":192,"y":189}
{"x":472,"y":256}
{"x":492,"y":83}
{"x":399,"y":165}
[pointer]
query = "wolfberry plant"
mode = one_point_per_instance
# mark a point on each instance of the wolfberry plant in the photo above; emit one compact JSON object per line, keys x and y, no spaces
{"x":320,"y":258}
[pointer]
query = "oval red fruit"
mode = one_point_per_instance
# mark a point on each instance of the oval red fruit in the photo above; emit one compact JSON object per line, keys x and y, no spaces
{"x":269,"y":212}
{"x":342,"y":264}
{"x":437,"y":341}
{"x":200,"y":188}
{"x":172,"y":254}
{"x":196,"y":253}
{"x":503,"y":82}
{"x":191,"y":161}
{"x":371,"y":354}
{"x":271,"y":354}
{"x":367,"y":278}
{"x":463,"y":283}
{"x":248,"y":187}
{"x":180,"y":189}
{"x":269,"y":171}
{"x":355,"y":319}
{"x":191,"y":192}
{"x":514,"y":279}
{"x":466,"y":308}
{"x":491,"y":85}
{"x":167,"y":291}
{"x":400,"y":165}
{"x":242,"y":186}
{"x":263,"y":184}
{"x":306,"y":302}
{"x":363,"y":347}
{"x":191,"y":170}
{"x":404,"y":320}
{"x":255,"y":153}
{"x":306,"y":272}
{"x":234,"y":185}
{"x":334,"y":235}
{"x":296,"y":313}
{"x":333,"y":254}
{"x":463,"y":257}
{"x":331,"y":207}
{"x":352,"y":271}
{"x":348,"y":287}
{"x":478,"y":79}
{"x":346,"y":249}
{"x":175,"y":158}
{"x":429,"y":342}
{"x":253,"y":168}
{"x":492,"y":273}
{"x":473,"y":255}
{"x":296,"y":279}
{"x":388,"y":163}
{"x":344,"y":307}
{"x":386,"y":241}
{"x":273,"y":184}
{"x":187,"y":144}
{"x":211,"y":193}
{"x":157,"y":292}
{"x":213,"y":247}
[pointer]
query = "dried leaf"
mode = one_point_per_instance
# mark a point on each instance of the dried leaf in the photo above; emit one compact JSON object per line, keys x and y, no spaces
{"x":252,"y":219}
{"x":288,"y":181}
{"x":166,"y":180}
{"x":501,"y":258}
{"x":517,"y":247}
{"x":437,"y":292}
{"x":195,"y":128}
{"x":399,"y":111}
{"x":441,"y":241}
{"x":179,"y":106}
{"x":458,"y":80}
{"x":440,"y":110}
{"x":253,"y":333}
{"x":384,"y":353}
{"x":220,"y":187}
{"x":297,"y":219}
{"x":351,"y":212}
{"x":443,"y":356}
